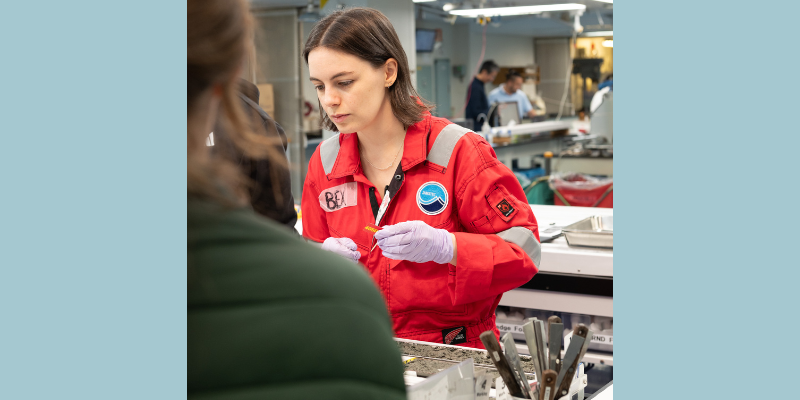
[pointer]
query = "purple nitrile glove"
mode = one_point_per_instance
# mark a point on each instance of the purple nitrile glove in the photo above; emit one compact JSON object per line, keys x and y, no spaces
{"x":344,"y":247}
{"x":415,"y":241}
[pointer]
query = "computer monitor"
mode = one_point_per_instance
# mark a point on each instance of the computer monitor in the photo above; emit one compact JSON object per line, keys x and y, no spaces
{"x":425,"y":40}
{"x":501,"y":114}
{"x":508,"y":111}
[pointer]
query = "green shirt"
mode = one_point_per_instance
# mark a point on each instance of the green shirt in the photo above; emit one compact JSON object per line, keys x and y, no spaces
{"x":270,"y":316}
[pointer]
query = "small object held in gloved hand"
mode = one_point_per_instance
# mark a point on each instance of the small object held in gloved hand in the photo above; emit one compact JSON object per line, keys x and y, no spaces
{"x":374,"y":229}
{"x":415,"y":241}
{"x":344,"y":247}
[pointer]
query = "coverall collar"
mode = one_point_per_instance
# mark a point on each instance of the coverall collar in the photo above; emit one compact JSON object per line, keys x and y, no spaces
{"x":415,"y":149}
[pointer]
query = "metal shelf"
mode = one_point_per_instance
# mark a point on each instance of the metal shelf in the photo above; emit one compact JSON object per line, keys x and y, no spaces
{"x":590,"y":357}
{"x":556,"y":301}
{"x":560,"y":257}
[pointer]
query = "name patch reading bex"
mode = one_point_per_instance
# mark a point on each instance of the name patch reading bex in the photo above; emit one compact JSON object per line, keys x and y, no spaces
{"x":339,"y":197}
{"x":432,"y":198}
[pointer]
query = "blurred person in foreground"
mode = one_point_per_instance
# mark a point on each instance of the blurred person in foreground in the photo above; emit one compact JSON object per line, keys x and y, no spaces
{"x":477,"y":103}
{"x":270,"y":190}
{"x":269,"y":316}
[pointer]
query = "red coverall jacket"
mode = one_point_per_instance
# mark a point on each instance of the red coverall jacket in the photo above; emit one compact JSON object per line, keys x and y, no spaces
{"x":484,"y":206}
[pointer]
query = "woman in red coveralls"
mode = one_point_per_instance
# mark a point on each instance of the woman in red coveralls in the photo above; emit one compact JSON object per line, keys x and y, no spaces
{"x":439,"y":223}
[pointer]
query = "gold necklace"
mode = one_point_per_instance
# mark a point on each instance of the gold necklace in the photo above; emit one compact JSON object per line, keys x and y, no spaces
{"x":388,"y":166}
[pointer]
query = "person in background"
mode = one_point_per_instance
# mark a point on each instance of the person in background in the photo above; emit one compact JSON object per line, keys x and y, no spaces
{"x":269,"y":316}
{"x":422,"y":204}
{"x":270,"y":189}
{"x":476,"y":94}
{"x":582,"y":125}
{"x":510,"y":91}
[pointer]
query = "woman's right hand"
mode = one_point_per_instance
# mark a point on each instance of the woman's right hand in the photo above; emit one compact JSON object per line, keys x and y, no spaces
{"x":344,"y":247}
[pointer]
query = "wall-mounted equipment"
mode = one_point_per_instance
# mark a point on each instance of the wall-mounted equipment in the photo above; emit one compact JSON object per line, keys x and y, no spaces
{"x":459,"y":72}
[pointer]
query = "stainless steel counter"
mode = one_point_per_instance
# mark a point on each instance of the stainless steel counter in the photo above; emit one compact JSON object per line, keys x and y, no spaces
{"x":560,"y":258}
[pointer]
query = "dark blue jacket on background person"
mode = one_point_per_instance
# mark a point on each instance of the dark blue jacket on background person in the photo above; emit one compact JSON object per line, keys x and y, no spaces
{"x":477,"y":103}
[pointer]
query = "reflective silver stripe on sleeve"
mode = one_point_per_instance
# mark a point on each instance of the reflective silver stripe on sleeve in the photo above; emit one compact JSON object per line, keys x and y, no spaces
{"x":328,"y":151}
{"x":442,"y":148}
{"x":524,"y":238}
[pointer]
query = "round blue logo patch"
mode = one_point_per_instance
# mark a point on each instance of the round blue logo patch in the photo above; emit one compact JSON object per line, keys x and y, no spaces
{"x":432,"y":198}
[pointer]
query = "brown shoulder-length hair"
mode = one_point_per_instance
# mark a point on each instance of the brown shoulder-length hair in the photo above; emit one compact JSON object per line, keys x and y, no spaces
{"x":218,"y":32}
{"x":367,"y":33}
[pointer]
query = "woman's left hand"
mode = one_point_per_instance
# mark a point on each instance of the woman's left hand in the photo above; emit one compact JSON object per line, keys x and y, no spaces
{"x":416,"y":241}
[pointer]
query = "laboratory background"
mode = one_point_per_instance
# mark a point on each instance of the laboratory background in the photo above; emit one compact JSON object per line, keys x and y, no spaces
{"x":548,"y":114}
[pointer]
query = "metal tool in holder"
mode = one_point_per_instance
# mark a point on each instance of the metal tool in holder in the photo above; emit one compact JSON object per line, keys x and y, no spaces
{"x":512,"y":369}
{"x":571,"y":359}
{"x":503,"y":367}
{"x":594,"y":231}
{"x":556,"y":332}
{"x":575,"y":391}
{"x":541,"y":343}
{"x":547,"y":389}
{"x":513,"y":358}
{"x":533,"y":347}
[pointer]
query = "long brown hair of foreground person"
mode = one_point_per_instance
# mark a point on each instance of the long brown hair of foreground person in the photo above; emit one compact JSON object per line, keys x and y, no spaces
{"x":368,"y":34}
{"x":269,"y":316}
{"x":217,"y":37}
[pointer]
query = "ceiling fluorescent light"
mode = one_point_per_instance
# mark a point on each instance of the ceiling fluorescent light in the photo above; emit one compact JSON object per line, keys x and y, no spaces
{"x":608,"y":43}
{"x":597,"y":34}
{"x":606,"y":1}
{"x":520,"y":10}
{"x":423,"y":1}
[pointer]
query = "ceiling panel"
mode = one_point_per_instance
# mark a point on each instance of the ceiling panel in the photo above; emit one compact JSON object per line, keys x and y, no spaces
{"x":529,"y":25}
{"x":597,"y":17}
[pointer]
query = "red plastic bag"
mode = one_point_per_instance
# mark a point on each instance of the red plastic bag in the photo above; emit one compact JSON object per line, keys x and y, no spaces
{"x":583,"y":190}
